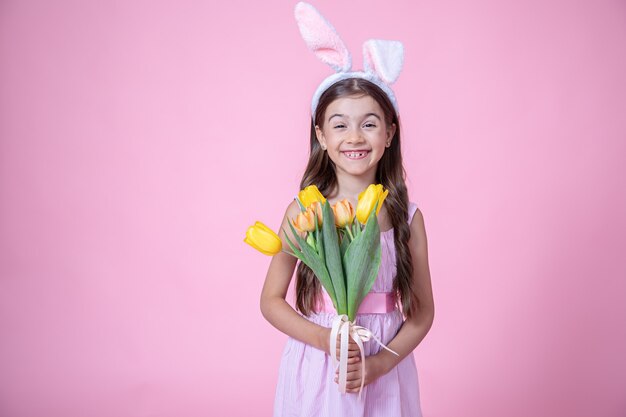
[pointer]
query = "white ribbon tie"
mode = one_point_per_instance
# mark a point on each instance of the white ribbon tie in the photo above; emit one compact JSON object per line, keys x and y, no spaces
{"x":344,"y":327}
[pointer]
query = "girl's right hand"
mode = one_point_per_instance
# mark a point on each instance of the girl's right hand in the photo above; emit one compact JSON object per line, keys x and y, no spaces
{"x":354,"y":355}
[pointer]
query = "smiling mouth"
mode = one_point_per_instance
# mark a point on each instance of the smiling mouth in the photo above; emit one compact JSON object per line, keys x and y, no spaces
{"x":356,"y":154}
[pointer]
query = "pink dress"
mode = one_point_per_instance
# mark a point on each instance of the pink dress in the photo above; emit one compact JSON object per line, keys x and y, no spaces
{"x":306,"y":386}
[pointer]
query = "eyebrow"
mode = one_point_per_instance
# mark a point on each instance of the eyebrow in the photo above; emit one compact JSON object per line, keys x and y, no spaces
{"x":366,"y":116}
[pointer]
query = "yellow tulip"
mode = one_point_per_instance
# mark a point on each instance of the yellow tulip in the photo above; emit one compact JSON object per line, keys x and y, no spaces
{"x":309,"y":195}
{"x":305,"y":221}
{"x":344,"y":213}
{"x":367,"y":200}
{"x":263,"y":239}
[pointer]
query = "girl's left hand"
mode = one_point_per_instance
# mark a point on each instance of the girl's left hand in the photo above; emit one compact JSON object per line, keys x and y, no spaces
{"x":372,"y":372}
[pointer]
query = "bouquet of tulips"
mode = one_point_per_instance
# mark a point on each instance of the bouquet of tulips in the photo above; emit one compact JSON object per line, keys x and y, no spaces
{"x":343,"y":253}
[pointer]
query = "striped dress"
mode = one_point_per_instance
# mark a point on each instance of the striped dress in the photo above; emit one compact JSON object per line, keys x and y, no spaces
{"x":306,"y":386}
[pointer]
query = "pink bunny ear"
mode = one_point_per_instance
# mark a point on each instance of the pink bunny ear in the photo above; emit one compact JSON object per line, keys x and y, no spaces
{"x":384,"y":58}
{"x":322,"y":38}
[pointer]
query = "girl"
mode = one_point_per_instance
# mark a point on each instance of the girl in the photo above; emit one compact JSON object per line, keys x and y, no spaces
{"x":355,"y":142}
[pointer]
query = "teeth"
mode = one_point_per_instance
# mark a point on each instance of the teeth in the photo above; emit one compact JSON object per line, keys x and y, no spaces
{"x":355,"y":154}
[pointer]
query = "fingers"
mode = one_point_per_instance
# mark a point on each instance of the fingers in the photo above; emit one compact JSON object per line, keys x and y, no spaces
{"x":351,"y":353}
{"x":353,"y":349}
{"x":353,"y":379}
{"x":352,"y":367}
{"x":351,"y":346}
{"x":350,"y":341}
{"x":354,"y":372}
{"x":352,"y":359}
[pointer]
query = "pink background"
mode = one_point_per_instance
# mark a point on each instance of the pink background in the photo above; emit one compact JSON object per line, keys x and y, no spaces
{"x":139,"y":139}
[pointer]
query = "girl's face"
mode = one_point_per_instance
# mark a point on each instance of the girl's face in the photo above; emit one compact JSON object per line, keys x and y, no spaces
{"x":355,"y":134}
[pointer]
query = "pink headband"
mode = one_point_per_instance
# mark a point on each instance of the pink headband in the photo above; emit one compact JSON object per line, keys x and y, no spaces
{"x":382,"y":60}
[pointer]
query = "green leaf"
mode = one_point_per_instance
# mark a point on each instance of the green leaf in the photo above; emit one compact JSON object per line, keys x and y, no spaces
{"x":345,"y":242}
{"x":320,"y":242}
{"x":361,"y":262}
{"x":313,"y":261}
{"x":302,"y":208}
{"x":297,"y":252}
{"x":333,"y":257}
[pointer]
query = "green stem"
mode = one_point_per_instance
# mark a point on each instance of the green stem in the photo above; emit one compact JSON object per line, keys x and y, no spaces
{"x":349,"y":233}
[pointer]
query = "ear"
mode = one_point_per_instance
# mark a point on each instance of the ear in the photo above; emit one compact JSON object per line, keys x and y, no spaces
{"x":391,"y":132}
{"x":322,"y":38}
{"x":320,"y":136}
{"x":384,"y":58}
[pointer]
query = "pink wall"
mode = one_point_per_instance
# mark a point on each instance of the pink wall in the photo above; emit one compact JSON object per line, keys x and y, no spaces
{"x":139,"y":139}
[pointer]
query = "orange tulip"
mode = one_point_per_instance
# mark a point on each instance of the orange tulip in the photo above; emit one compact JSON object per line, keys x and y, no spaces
{"x":305,"y":221}
{"x":344,"y":213}
{"x":316,"y":207}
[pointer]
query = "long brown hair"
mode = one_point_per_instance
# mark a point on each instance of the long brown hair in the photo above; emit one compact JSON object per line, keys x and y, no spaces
{"x":320,"y":171}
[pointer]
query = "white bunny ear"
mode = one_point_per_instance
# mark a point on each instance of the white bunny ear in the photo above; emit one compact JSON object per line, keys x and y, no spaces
{"x":322,"y":38}
{"x":384,"y":58}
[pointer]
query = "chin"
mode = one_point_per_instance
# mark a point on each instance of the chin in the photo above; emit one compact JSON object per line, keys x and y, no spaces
{"x":359,"y":172}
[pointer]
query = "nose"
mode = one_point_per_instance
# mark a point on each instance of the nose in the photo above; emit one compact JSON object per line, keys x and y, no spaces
{"x":354,"y":136}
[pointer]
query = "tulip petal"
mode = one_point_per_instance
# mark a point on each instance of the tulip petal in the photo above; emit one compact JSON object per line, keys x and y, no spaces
{"x":365,"y":203}
{"x":263,"y":239}
{"x":309,"y":195}
{"x":263,"y":227}
{"x":381,"y":199}
{"x":372,"y":194}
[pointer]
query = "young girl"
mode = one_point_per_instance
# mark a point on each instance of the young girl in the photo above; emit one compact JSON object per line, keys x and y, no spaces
{"x":355,"y":142}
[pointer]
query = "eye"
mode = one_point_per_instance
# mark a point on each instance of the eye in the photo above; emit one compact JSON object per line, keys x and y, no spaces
{"x":339,"y":126}
{"x":369,"y":124}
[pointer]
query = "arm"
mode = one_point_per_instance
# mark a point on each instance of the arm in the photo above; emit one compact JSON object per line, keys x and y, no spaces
{"x":273,"y":305}
{"x":415,"y":329}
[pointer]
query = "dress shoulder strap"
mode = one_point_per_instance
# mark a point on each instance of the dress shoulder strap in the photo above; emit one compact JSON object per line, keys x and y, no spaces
{"x":412,"y":210}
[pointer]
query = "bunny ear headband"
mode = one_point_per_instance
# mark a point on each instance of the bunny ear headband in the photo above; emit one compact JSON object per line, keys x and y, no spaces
{"x":382,"y":60}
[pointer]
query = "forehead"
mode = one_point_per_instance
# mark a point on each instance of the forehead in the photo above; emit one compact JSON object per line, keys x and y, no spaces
{"x":354,"y":107}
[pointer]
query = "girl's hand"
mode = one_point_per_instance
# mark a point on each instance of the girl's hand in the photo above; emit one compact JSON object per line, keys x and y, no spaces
{"x":372,"y":372}
{"x":353,"y":349}
{"x":354,"y":355}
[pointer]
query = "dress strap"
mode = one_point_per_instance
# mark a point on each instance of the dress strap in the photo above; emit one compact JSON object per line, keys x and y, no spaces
{"x":412,"y":210}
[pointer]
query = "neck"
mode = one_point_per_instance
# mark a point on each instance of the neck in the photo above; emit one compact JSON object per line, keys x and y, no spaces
{"x":349,"y":186}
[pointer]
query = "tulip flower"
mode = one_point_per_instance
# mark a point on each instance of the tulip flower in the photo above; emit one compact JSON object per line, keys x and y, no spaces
{"x":316,"y":207}
{"x":309,"y":195}
{"x":263,"y":239}
{"x":344,"y":213}
{"x":305,"y":221}
{"x":367,"y":201}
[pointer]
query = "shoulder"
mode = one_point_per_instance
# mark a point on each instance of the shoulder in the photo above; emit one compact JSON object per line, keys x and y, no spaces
{"x":412,"y":208}
{"x":414,"y":212}
{"x":416,"y":221}
{"x":292,"y":209}
{"x":291,"y":212}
